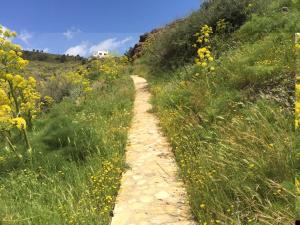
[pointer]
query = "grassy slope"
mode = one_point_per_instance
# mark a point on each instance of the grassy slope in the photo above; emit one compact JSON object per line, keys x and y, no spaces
{"x":297,"y":144}
{"x":232,"y":131}
{"x":44,"y":69}
{"x":74,"y":174}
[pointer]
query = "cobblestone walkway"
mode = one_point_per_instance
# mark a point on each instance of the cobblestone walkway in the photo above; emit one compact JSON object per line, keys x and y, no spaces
{"x":150,"y":192}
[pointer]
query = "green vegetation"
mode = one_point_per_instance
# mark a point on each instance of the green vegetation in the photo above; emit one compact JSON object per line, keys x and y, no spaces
{"x":70,"y":173}
{"x":73,"y":176}
{"x":44,"y":69}
{"x":297,"y":118}
{"x":231,"y":127}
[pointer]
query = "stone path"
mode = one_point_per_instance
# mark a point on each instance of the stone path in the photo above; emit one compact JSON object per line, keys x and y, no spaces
{"x":150,"y":192}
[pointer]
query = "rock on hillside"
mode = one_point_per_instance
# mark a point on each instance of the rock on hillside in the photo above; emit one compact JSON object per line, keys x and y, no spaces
{"x":136,"y":51}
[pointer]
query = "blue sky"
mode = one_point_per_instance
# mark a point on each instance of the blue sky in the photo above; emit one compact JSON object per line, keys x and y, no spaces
{"x":83,"y":26}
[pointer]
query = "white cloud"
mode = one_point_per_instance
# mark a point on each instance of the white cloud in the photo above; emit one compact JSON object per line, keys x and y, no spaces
{"x":85,"y":49}
{"x":70,"y":33}
{"x":25,"y":36}
{"x":109,"y":45}
{"x":81,"y":49}
{"x":46,"y":50}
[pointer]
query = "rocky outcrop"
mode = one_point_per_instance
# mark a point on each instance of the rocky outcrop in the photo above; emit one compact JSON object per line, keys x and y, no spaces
{"x":136,"y":51}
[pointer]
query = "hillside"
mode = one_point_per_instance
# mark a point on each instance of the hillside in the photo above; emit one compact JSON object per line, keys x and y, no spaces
{"x":87,"y":142}
{"x":36,"y":55}
{"x":224,"y":94}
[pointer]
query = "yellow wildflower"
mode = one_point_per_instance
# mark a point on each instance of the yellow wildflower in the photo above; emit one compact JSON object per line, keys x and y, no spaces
{"x":19,"y":122}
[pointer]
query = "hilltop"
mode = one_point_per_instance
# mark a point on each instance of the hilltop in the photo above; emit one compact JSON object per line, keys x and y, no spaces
{"x":39,"y":55}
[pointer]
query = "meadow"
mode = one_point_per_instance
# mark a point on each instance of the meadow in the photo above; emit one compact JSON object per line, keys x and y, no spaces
{"x":67,"y":168}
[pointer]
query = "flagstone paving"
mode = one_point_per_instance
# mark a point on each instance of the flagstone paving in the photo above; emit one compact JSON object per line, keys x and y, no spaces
{"x":151,"y":192}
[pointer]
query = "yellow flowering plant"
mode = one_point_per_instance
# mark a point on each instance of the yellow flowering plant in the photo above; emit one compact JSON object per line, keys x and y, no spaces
{"x":74,"y":83}
{"x":18,"y":95}
{"x":297,"y":86}
{"x":204,"y":52}
{"x":79,"y":79}
{"x":110,"y":67}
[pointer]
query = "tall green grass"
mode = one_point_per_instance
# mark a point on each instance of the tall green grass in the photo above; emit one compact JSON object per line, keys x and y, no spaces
{"x":73,"y":174}
{"x":297,"y":144}
{"x":235,"y":156}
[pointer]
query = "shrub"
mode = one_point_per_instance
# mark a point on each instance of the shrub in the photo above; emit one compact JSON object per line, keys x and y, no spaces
{"x":72,"y":84}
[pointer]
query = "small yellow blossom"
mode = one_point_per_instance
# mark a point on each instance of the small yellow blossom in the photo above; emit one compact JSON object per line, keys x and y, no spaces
{"x":19,"y":122}
{"x":251,"y":165}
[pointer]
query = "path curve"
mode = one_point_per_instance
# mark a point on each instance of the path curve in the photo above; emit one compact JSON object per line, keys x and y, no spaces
{"x":150,"y":191}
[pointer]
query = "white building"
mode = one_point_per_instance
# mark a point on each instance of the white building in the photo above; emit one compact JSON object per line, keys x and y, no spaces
{"x":101,"y":54}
